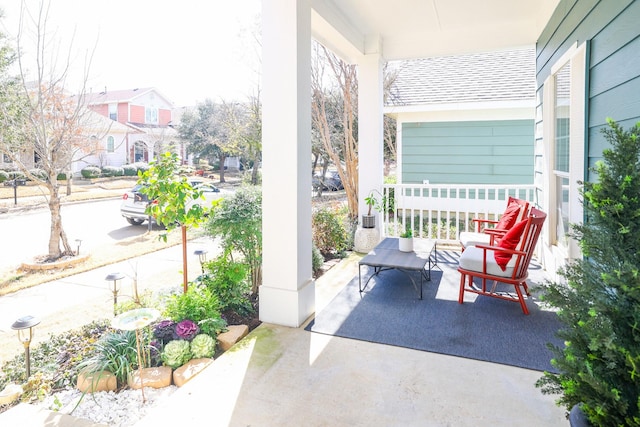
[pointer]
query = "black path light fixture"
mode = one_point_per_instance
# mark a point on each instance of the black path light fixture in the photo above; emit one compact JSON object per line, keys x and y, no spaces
{"x":202,"y":256}
{"x":25,"y":326}
{"x":115,"y":287}
{"x":78,"y":244}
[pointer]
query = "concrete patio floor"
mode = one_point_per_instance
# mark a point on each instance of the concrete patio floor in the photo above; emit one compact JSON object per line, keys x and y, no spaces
{"x":281,"y":376}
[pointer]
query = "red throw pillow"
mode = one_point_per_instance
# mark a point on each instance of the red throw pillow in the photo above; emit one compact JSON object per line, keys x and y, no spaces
{"x":509,"y":217}
{"x":509,"y":241}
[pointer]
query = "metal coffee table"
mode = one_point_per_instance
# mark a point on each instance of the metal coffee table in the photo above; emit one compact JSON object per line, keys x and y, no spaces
{"x":387,"y":256}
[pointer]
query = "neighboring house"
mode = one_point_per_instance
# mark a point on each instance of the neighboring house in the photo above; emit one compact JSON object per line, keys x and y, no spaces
{"x":587,"y":69}
{"x":145,"y":110}
{"x":106,"y":145}
{"x":465,"y":117}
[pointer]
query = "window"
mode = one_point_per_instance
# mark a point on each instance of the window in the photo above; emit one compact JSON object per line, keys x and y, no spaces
{"x":564,"y":136}
{"x":561,"y":149}
{"x":151,"y":115}
{"x":113,"y":112}
{"x":110,"y":144}
{"x":6,"y":158}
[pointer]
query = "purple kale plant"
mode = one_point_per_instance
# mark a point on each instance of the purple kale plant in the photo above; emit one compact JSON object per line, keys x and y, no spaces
{"x":186,"y":330}
{"x":164,"y":331}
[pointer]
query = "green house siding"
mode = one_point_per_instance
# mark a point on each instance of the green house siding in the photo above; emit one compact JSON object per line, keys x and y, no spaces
{"x":612,"y":30}
{"x":478,"y":152}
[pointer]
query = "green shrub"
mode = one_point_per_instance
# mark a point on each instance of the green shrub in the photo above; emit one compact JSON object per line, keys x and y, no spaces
{"x":141,"y":167}
{"x":198,"y":304}
{"x":16,"y":175}
{"x":237,"y":222}
{"x":130,"y":170}
{"x":227,"y":280}
{"x":39,"y":174}
{"x":4,"y":176}
{"x":62,"y":176}
{"x":89,"y":172}
{"x":599,"y":300}
{"x":329,"y":233}
{"x":111,"y":171}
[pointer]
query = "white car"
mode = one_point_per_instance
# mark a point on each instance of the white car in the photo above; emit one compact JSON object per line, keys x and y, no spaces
{"x":134,"y":203}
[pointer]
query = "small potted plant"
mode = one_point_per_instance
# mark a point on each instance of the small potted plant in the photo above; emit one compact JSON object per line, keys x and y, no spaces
{"x":405,"y":242}
{"x":369,"y":219}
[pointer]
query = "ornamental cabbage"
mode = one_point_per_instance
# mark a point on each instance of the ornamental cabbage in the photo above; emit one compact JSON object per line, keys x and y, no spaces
{"x":176,"y":353}
{"x":203,"y":345}
{"x":186,"y":330}
{"x":165,"y":330}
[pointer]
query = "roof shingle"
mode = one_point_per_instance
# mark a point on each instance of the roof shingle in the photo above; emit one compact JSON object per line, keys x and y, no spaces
{"x":493,"y":76}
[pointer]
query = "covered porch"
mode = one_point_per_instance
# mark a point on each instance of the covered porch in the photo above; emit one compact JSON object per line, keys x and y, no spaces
{"x":288,"y":376}
{"x":367,"y":34}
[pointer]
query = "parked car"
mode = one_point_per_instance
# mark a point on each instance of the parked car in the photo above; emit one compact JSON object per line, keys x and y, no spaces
{"x":134,"y":203}
{"x":330,"y":182}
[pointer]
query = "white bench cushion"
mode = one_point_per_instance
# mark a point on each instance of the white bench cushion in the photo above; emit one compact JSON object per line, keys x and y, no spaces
{"x":472,"y":259}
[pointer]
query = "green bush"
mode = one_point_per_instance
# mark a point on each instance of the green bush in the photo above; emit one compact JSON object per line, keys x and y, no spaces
{"x":141,"y":167}
{"x":237,"y":222}
{"x":39,"y":173}
{"x":62,"y":176}
{"x":329,"y":233}
{"x":89,"y":172}
{"x":16,"y":175}
{"x":111,"y":171}
{"x":599,"y":301}
{"x":130,"y":170}
{"x":4,"y":176}
{"x":227,"y":280}
{"x":198,"y":304}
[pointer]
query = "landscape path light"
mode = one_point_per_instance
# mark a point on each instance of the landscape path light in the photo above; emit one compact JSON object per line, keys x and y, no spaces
{"x":115,"y":287}
{"x":78,"y":244}
{"x":202,"y":256}
{"x":25,"y":326}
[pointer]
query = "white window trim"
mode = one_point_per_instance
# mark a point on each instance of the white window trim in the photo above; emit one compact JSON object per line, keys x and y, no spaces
{"x":577,"y":56}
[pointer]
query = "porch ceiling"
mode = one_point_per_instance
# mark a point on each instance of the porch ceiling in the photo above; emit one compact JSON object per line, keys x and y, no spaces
{"x":404,"y":29}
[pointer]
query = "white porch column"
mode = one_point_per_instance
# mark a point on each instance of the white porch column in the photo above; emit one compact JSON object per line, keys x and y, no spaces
{"x":287,"y":294}
{"x":370,"y":127}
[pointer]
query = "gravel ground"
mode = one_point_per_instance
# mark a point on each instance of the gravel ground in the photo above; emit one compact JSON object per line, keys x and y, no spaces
{"x":121,"y":409}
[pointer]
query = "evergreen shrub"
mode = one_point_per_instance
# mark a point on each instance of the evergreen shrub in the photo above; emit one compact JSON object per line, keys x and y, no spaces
{"x":89,"y":172}
{"x":598,"y":301}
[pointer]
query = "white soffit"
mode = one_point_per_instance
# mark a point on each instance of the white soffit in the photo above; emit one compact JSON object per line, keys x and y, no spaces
{"x":422,"y":28}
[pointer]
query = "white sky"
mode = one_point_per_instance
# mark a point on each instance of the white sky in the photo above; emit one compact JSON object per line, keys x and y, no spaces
{"x":189,"y":50}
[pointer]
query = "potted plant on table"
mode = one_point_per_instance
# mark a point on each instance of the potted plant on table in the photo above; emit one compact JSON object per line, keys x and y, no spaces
{"x":405,"y":241}
{"x":599,"y":300}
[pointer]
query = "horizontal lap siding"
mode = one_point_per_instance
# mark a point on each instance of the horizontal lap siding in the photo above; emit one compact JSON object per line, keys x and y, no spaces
{"x":492,"y":152}
{"x":612,"y":28}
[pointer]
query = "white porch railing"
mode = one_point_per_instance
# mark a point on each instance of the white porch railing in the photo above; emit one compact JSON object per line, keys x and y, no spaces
{"x":442,"y":211}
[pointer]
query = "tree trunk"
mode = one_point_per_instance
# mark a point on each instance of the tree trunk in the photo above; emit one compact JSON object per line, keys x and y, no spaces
{"x":254,"y":173}
{"x":56,"y":233}
{"x":222,"y":158}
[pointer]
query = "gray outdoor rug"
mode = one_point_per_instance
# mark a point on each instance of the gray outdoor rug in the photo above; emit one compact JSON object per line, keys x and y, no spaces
{"x":483,"y":328}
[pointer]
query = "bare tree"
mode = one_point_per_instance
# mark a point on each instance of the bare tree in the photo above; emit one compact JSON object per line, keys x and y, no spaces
{"x":50,"y":126}
{"x":334,"y":113}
